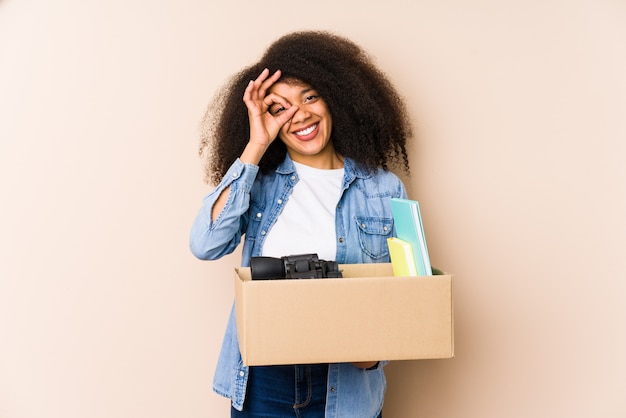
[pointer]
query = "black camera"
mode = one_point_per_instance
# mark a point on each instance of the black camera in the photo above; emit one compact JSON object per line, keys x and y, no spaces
{"x":301,"y":266}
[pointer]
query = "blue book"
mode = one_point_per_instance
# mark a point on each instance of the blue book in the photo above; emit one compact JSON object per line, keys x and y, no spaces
{"x":408,"y":221}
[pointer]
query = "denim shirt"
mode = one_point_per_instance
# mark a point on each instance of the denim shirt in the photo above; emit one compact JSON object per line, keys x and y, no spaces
{"x":363,"y":223}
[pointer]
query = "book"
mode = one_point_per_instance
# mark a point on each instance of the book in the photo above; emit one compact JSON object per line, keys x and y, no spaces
{"x":409,"y":227}
{"x":402,"y":260}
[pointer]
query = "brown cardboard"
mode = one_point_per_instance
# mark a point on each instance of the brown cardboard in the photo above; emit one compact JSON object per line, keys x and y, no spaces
{"x":367,"y":315}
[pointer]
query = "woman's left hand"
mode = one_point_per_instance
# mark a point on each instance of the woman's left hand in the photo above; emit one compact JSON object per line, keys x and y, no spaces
{"x":365,"y":364}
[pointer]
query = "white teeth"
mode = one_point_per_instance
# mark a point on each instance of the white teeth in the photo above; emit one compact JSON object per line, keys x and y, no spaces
{"x":307,"y":131}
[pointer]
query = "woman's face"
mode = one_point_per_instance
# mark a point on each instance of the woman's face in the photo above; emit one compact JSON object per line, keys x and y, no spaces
{"x":307,"y":133}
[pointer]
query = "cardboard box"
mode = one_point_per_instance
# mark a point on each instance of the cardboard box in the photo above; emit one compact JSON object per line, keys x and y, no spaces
{"x":366,"y":315}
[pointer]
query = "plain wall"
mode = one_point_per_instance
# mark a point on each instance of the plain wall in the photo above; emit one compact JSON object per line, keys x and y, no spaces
{"x":517,"y":161}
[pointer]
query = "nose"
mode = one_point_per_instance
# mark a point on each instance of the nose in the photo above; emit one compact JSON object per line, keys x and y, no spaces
{"x":302,"y":114}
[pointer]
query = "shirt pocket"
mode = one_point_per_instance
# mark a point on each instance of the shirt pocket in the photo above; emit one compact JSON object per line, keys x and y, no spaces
{"x":373,"y":233}
{"x":255,"y":220}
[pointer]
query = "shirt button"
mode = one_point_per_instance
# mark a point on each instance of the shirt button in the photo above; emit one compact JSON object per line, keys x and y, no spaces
{"x":341,"y":239}
{"x":279,"y":201}
{"x":332,"y":389}
{"x":384,"y":228}
{"x":263,"y":232}
{"x":362,"y":225}
{"x":293,"y":178}
{"x":258,"y":215}
{"x":241,"y":373}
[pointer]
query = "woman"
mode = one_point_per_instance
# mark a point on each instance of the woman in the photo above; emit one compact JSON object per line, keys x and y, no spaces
{"x":301,"y":166}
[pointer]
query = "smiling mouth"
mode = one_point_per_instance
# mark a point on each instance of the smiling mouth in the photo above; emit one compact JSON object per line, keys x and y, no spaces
{"x":306,"y":131}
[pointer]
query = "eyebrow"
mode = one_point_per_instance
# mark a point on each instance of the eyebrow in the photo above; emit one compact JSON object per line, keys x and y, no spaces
{"x":303,"y":91}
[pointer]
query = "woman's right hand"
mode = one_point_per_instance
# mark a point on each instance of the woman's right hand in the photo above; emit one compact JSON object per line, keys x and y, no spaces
{"x":264,"y":126}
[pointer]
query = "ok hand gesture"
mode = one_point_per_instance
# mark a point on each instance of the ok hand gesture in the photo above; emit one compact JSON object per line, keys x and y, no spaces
{"x":264,"y":126}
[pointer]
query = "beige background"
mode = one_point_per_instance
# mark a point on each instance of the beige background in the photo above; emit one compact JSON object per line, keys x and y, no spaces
{"x":520,"y":110}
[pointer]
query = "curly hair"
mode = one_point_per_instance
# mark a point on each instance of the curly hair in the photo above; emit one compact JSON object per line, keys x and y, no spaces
{"x":370,"y":120}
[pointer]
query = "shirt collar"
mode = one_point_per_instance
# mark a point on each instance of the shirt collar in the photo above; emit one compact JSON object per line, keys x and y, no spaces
{"x":352,"y":170}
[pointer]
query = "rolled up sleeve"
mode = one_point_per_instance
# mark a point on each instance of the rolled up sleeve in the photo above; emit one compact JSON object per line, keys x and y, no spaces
{"x":211,"y":240}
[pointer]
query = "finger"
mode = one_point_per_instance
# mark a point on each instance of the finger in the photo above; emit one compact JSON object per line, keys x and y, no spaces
{"x":286,"y":116}
{"x":267,"y":83}
{"x":258,"y":82}
{"x":247,"y":94}
{"x":252,"y":89}
{"x":261,"y":77}
{"x":252,"y":93}
{"x":272,"y":100}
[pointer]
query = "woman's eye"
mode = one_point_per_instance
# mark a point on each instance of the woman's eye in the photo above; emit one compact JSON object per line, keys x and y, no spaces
{"x":276,"y":110}
{"x":310,"y":98}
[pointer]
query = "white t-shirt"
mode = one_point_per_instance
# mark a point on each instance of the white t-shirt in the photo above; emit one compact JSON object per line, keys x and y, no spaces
{"x":307,"y":222}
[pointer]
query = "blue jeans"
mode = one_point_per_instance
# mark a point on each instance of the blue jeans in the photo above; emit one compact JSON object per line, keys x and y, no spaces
{"x":297,"y":391}
{"x":285,"y":391}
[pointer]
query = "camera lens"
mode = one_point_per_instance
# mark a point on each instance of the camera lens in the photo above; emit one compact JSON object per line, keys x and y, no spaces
{"x":266,"y":268}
